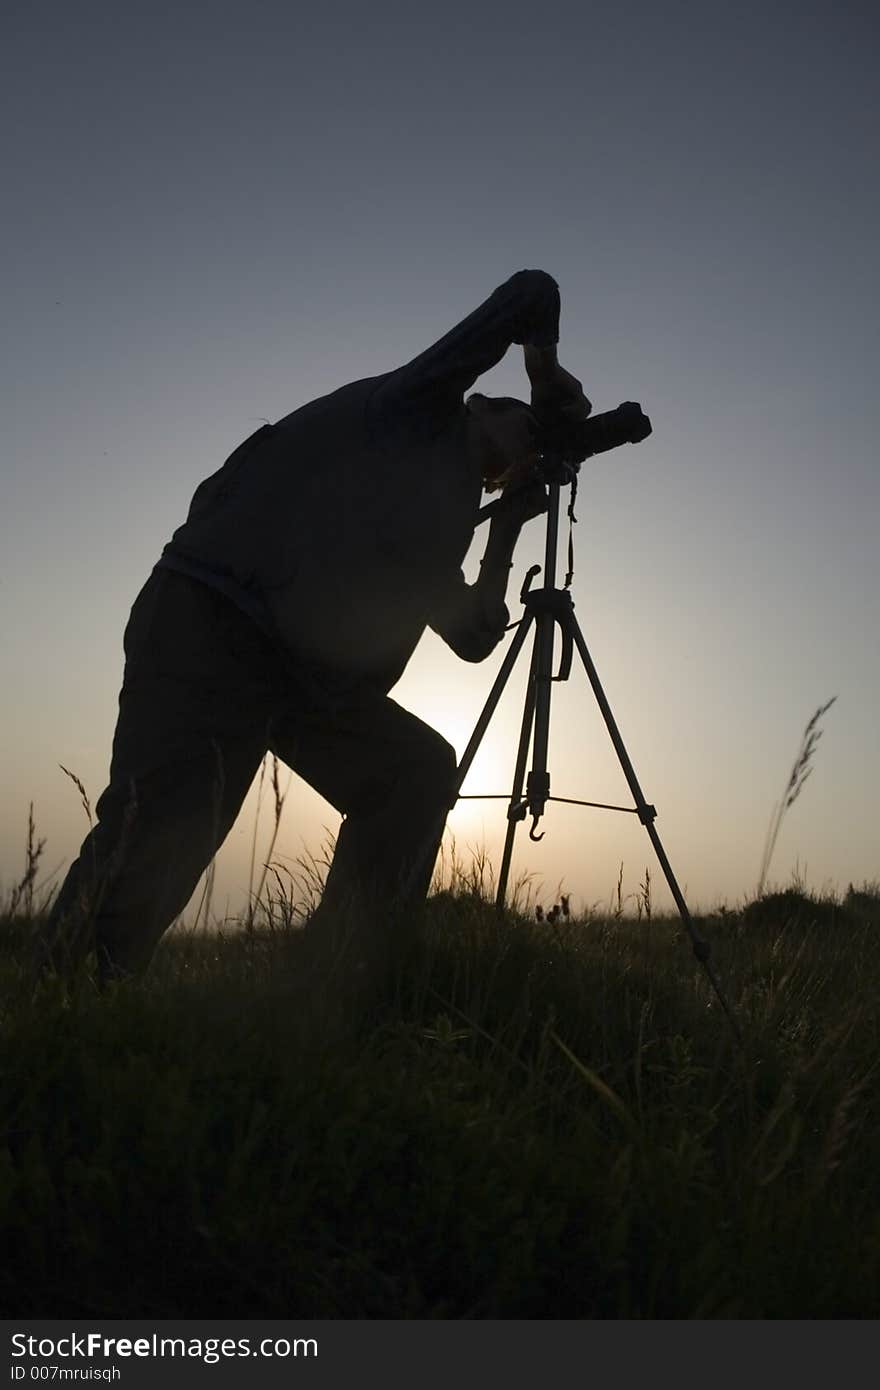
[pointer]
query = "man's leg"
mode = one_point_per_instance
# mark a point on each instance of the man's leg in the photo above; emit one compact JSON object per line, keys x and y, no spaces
{"x":190,"y":735}
{"x":157,"y":830}
{"x":392,"y":777}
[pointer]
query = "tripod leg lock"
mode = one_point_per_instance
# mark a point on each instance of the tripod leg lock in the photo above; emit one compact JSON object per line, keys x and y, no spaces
{"x":517,"y":810}
{"x":537,"y":791}
{"x":646,"y":814}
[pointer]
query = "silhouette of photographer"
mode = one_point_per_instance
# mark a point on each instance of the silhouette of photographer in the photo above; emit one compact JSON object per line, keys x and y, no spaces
{"x":286,"y":607}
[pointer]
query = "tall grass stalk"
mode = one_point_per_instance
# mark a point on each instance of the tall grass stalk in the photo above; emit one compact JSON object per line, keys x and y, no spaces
{"x":280,"y":798}
{"x":22,"y":896}
{"x":800,"y":771}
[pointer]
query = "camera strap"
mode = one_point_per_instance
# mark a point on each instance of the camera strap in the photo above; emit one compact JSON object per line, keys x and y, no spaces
{"x":572,"y":519}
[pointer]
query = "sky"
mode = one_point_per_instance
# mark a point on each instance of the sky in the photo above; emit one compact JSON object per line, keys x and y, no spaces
{"x":217,"y":212}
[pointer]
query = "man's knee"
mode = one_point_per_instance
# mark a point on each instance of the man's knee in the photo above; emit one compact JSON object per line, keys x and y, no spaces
{"x":435,"y":764}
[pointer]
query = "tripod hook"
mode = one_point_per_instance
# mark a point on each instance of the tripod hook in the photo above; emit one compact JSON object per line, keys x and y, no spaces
{"x":532,"y":835}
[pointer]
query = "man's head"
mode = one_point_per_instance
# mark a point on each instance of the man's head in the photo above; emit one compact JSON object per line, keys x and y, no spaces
{"x":505,"y":434}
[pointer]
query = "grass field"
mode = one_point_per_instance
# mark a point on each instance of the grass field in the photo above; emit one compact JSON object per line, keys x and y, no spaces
{"x":522,"y":1120}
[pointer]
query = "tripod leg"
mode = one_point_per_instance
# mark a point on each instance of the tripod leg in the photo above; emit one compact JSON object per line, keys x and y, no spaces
{"x":516,"y":810}
{"x":646,"y":815}
{"x":495,"y":693}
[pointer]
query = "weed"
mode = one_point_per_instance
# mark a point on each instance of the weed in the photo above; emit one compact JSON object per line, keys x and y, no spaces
{"x":801,"y":769}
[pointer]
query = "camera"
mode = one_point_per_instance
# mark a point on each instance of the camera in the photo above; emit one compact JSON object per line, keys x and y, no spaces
{"x":564,"y":444}
{"x":569,"y":442}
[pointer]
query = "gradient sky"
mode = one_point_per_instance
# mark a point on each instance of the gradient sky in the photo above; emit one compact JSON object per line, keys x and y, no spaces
{"x":215,"y":212}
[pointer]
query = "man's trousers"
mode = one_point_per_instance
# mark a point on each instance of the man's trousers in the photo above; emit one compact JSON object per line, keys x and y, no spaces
{"x":205,"y":695}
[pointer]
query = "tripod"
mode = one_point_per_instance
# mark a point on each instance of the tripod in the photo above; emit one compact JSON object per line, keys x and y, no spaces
{"x":545,"y":609}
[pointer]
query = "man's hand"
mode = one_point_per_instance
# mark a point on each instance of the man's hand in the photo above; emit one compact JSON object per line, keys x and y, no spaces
{"x":474,"y":619}
{"x":560,"y":396}
{"x":555,"y":392}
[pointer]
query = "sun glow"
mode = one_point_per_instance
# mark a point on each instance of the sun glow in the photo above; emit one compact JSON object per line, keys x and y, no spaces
{"x":491,"y":771}
{"x":450,"y":695}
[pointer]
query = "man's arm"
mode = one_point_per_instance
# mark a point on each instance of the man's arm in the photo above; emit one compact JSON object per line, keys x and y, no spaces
{"x":540,"y":362}
{"x":525,"y":309}
{"x":473,"y":617}
{"x":555,"y":392}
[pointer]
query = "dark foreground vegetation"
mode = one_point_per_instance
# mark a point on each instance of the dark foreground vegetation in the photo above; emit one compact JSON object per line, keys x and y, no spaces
{"x":526,"y":1120}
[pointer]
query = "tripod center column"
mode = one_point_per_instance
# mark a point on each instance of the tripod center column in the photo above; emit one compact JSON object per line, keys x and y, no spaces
{"x":538,"y":782}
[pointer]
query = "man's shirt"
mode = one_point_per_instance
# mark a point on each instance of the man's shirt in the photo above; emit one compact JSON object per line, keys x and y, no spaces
{"x":342,"y":528}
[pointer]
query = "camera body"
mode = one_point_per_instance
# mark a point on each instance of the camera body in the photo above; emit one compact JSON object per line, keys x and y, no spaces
{"x":566,"y":443}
